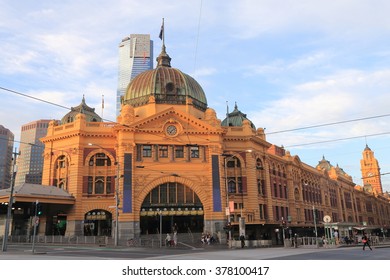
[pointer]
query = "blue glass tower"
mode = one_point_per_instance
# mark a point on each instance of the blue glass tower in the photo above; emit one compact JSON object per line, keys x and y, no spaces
{"x":135,"y":57}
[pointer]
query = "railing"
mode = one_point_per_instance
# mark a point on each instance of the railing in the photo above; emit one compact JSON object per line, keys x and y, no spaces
{"x":52,"y":239}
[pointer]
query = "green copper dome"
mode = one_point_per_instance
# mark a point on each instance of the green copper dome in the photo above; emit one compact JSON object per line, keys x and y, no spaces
{"x":83,"y":108}
{"x":236,"y":118}
{"x":167,"y":85}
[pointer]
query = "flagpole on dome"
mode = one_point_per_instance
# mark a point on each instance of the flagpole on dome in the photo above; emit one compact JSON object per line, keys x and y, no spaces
{"x":163,"y":59}
{"x":162,"y":35}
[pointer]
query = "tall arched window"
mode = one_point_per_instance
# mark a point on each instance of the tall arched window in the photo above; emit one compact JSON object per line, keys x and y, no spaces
{"x":234,"y":175}
{"x":60,"y":172}
{"x":101,"y":175}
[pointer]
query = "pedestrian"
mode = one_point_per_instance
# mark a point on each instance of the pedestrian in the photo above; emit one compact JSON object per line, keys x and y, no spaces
{"x":168,"y":240}
{"x":366,"y":242}
{"x":242,"y":238}
{"x":175,"y":239}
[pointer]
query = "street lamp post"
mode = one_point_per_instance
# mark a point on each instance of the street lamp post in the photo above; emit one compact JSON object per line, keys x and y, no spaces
{"x":10,"y":202}
{"x":160,"y":213}
{"x":315,"y":224}
{"x":116,"y":237}
{"x":227,"y":201}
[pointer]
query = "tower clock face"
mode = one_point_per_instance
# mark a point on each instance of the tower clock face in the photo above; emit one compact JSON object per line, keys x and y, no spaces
{"x":171,"y":130}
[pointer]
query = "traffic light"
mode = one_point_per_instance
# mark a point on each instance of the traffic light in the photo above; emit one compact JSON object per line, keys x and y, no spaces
{"x":39,"y":209}
{"x":227,"y":227}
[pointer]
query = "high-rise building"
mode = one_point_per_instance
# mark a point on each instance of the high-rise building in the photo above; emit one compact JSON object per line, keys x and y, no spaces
{"x":135,"y":57}
{"x":30,"y":161}
{"x":6,"y":145}
{"x":370,"y":171}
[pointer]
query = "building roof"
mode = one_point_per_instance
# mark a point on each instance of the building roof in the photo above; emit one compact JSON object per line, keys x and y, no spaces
{"x":324,"y":164}
{"x":236,"y":118}
{"x":166,"y":85}
{"x":83,"y":108}
{"x":31,"y":192}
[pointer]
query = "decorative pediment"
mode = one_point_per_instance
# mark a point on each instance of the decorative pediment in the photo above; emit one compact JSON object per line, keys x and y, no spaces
{"x":172,"y":119}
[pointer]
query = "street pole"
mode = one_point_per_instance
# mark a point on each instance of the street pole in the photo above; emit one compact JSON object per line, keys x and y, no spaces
{"x":117,"y":206}
{"x":284,"y":235}
{"x":35,"y":222}
{"x":315,"y":225}
{"x":227,"y":204}
{"x":160,"y":213}
{"x":10,"y":202}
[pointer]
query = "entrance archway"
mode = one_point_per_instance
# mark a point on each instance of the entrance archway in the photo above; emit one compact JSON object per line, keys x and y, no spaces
{"x":97,"y":223}
{"x":171,"y":207}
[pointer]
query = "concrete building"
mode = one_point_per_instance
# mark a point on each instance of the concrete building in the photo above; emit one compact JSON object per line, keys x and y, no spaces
{"x":30,"y":161}
{"x":6,"y":146}
{"x":135,"y":57}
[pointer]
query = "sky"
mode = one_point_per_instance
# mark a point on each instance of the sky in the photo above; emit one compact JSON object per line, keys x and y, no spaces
{"x":286,"y":64}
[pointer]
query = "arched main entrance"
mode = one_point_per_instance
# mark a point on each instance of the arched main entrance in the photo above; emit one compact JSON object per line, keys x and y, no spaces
{"x":97,"y":223}
{"x":169,"y":207}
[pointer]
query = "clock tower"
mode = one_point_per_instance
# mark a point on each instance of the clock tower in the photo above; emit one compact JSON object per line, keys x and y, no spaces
{"x":370,"y":170}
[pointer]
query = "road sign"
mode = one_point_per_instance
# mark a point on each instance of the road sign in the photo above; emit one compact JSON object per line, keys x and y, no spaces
{"x":36,"y":220}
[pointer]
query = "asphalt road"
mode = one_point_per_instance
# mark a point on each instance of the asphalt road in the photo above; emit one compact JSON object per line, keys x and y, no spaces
{"x":24,"y":252}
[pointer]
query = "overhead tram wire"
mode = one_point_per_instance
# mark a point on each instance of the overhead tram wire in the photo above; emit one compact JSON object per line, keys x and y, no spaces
{"x":44,"y":101}
{"x":197,"y":37}
{"x":275,"y":132}
{"x":328,"y":124}
{"x":337,"y":140}
{"x":35,"y":98}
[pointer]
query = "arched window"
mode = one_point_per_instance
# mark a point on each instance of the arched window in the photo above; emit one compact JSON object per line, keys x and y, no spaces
{"x":101,"y":174}
{"x":232,"y":186}
{"x":296,"y":194}
{"x":100,"y":159}
{"x":171,"y":195}
{"x":60,"y":172}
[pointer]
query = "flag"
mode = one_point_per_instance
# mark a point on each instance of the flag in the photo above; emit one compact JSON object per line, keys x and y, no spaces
{"x":161,"y":35}
{"x":161,"y":32}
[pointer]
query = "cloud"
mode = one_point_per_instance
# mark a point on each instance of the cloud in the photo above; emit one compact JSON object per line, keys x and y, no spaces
{"x":205,"y":71}
{"x":340,"y":19}
{"x":346,"y":95}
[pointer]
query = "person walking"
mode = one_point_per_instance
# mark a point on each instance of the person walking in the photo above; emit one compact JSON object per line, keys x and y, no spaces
{"x":242,"y":238}
{"x":168,"y":240}
{"x":366,"y":242}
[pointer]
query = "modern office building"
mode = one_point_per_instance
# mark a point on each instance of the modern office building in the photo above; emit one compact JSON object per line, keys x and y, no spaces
{"x":6,"y":146}
{"x":30,"y":160}
{"x":135,"y":57}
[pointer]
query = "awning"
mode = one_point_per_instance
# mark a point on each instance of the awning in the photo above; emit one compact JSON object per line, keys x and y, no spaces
{"x":360,"y":228}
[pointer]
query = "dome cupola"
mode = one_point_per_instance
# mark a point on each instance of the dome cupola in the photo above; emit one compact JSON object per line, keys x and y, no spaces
{"x":236,"y":118}
{"x":166,"y":85}
{"x":83,"y":108}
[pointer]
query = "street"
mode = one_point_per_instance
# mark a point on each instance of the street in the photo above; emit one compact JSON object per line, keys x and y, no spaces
{"x":60,"y":252}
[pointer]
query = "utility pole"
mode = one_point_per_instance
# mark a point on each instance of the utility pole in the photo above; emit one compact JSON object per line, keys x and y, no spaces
{"x":10,"y":202}
{"x":35,"y":222}
{"x":117,"y":205}
{"x":315,"y":224}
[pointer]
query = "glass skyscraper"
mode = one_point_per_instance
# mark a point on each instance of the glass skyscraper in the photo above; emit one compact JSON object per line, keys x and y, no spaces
{"x":30,"y":161}
{"x":6,"y":145}
{"x":135,"y":57}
